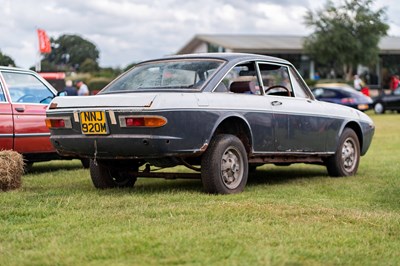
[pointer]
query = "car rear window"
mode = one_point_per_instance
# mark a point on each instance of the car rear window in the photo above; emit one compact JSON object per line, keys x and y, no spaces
{"x":166,"y":75}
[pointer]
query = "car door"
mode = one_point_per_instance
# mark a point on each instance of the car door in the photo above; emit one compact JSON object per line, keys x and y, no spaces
{"x":6,"y":122}
{"x":29,"y":98}
{"x":298,"y":127}
{"x":393,"y":101}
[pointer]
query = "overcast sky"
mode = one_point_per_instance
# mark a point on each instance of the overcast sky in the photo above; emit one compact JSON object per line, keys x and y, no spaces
{"x":127,"y":31}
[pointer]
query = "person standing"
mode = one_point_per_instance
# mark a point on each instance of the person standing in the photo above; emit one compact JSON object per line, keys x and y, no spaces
{"x":83,"y":89}
{"x":358,"y":83}
{"x":70,"y":89}
{"x":394,"y":83}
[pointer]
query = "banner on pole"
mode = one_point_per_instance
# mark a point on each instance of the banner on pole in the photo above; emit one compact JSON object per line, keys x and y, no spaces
{"x":44,"y":42}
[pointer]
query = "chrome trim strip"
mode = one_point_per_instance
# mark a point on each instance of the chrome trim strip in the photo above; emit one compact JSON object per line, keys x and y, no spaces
{"x":27,"y":135}
{"x":6,"y":135}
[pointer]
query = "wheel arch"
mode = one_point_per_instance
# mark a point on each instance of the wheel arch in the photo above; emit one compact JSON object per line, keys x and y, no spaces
{"x":238,"y":126}
{"x":357,"y":129}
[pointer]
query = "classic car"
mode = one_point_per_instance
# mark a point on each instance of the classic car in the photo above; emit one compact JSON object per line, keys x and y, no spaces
{"x":342,"y":94}
{"x":387,"y":102}
{"x":24,"y":97}
{"x":218,"y":114}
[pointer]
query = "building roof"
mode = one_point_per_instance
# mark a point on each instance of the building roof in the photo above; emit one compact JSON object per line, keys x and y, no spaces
{"x":270,"y":43}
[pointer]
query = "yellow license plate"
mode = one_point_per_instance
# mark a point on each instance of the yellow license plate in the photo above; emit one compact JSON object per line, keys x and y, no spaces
{"x":94,"y":123}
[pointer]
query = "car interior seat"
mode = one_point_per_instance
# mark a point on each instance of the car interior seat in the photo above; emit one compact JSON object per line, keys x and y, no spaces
{"x":243,"y":87}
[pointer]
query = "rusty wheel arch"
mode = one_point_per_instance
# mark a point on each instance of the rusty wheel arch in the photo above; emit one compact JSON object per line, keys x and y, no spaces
{"x":238,"y":127}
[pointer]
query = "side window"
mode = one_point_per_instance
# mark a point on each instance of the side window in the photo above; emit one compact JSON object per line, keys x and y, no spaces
{"x":26,"y":88}
{"x":275,"y":79}
{"x":241,"y":79}
{"x":321,"y":93}
{"x":2,"y":96}
{"x":300,"y":89}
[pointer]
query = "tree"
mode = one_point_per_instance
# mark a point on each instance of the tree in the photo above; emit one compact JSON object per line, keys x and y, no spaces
{"x":5,"y":60}
{"x":89,"y":65}
{"x":346,"y":35}
{"x":70,"y":52}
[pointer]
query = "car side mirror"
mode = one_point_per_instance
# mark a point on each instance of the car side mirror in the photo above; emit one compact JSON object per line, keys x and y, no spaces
{"x":62,"y":93}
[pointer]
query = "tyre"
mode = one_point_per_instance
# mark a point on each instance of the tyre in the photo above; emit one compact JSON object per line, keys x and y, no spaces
{"x":104,"y":176}
{"x":85,"y":162}
{"x":379,"y":108}
{"x":224,"y":165}
{"x":347,"y":157}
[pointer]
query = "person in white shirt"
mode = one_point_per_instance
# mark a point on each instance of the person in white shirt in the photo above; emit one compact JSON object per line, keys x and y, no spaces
{"x":358,"y":83}
{"x":83,"y":89}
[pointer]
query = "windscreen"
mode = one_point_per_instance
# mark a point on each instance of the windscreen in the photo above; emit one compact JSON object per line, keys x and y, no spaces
{"x":166,"y":75}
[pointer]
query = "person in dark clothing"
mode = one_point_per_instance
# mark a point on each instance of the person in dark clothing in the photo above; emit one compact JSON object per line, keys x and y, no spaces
{"x":70,"y":89}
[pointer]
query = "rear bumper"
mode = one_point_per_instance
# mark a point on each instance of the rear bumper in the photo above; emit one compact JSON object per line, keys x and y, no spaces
{"x":124,"y":146}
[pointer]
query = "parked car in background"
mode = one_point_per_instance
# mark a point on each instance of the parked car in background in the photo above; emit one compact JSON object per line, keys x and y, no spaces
{"x":342,"y":94}
{"x":218,"y":114}
{"x":387,"y":102}
{"x":24,"y":97}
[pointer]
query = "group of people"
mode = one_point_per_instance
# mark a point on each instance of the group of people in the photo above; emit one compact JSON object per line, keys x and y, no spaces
{"x":81,"y":88}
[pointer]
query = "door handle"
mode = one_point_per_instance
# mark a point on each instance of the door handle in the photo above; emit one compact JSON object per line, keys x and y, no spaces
{"x":276,"y":103}
{"x":20,"y":109}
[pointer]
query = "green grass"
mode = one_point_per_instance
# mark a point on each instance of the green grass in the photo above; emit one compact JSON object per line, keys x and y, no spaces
{"x":293,"y":215}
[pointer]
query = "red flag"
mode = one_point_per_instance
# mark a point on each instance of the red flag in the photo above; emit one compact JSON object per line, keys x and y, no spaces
{"x":44,"y":42}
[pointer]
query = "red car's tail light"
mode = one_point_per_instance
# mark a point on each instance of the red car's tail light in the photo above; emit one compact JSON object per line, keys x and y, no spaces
{"x":64,"y":122}
{"x":53,"y":106}
{"x":142,"y":121}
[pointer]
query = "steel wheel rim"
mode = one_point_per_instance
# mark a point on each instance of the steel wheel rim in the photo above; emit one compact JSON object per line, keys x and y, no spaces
{"x":232,"y":168}
{"x":349,"y":155}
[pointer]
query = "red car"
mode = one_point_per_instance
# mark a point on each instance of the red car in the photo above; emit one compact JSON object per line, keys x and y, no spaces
{"x":24,"y":97}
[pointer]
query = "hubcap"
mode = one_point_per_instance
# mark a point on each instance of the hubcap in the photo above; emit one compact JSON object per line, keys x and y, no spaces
{"x":232,"y":168}
{"x":349,"y":155}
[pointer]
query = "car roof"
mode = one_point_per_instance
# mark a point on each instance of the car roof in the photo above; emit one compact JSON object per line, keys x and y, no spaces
{"x":223,"y":56}
{"x":16,"y":69}
{"x":333,"y":85}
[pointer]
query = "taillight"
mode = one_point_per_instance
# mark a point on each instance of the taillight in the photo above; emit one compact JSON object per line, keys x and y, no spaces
{"x":142,"y":121}
{"x":348,"y":100}
{"x":64,"y":122}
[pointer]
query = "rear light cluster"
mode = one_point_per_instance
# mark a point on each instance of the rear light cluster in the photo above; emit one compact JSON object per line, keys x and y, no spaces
{"x":142,"y":121}
{"x":124,"y":121}
{"x":348,"y":100}
{"x":59,"y":122}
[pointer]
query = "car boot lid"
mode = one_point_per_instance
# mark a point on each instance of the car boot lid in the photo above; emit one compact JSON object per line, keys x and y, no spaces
{"x":121,"y":100}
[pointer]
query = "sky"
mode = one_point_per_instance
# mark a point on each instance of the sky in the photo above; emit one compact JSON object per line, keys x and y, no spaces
{"x":128,"y":31}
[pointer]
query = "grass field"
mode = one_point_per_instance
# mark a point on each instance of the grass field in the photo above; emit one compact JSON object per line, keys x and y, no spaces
{"x":293,"y":215}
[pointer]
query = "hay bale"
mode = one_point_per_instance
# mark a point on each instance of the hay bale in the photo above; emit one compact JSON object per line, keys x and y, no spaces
{"x":11,"y":170}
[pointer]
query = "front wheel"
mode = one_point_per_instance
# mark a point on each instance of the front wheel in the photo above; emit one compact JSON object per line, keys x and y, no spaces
{"x":347,"y":157}
{"x":104,"y":176}
{"x":224,"y":165}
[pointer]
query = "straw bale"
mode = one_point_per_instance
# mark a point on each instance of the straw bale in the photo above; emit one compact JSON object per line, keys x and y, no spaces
{"x":11,"y":170}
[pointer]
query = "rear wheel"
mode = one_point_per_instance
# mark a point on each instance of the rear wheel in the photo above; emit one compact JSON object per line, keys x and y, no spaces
{"x":224,"y":165}
{"x":379,"y":108}
{"x":104,"y":176}
{"x":347,"y":157}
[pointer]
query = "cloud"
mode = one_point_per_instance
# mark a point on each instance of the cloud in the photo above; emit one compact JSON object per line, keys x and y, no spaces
{"x":127,"y":31}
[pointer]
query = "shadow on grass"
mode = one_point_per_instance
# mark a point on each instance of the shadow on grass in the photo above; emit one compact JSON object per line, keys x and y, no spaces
{"x":46,"y":167}
{"x":283,"y":175}
{"x":263,"y":176}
